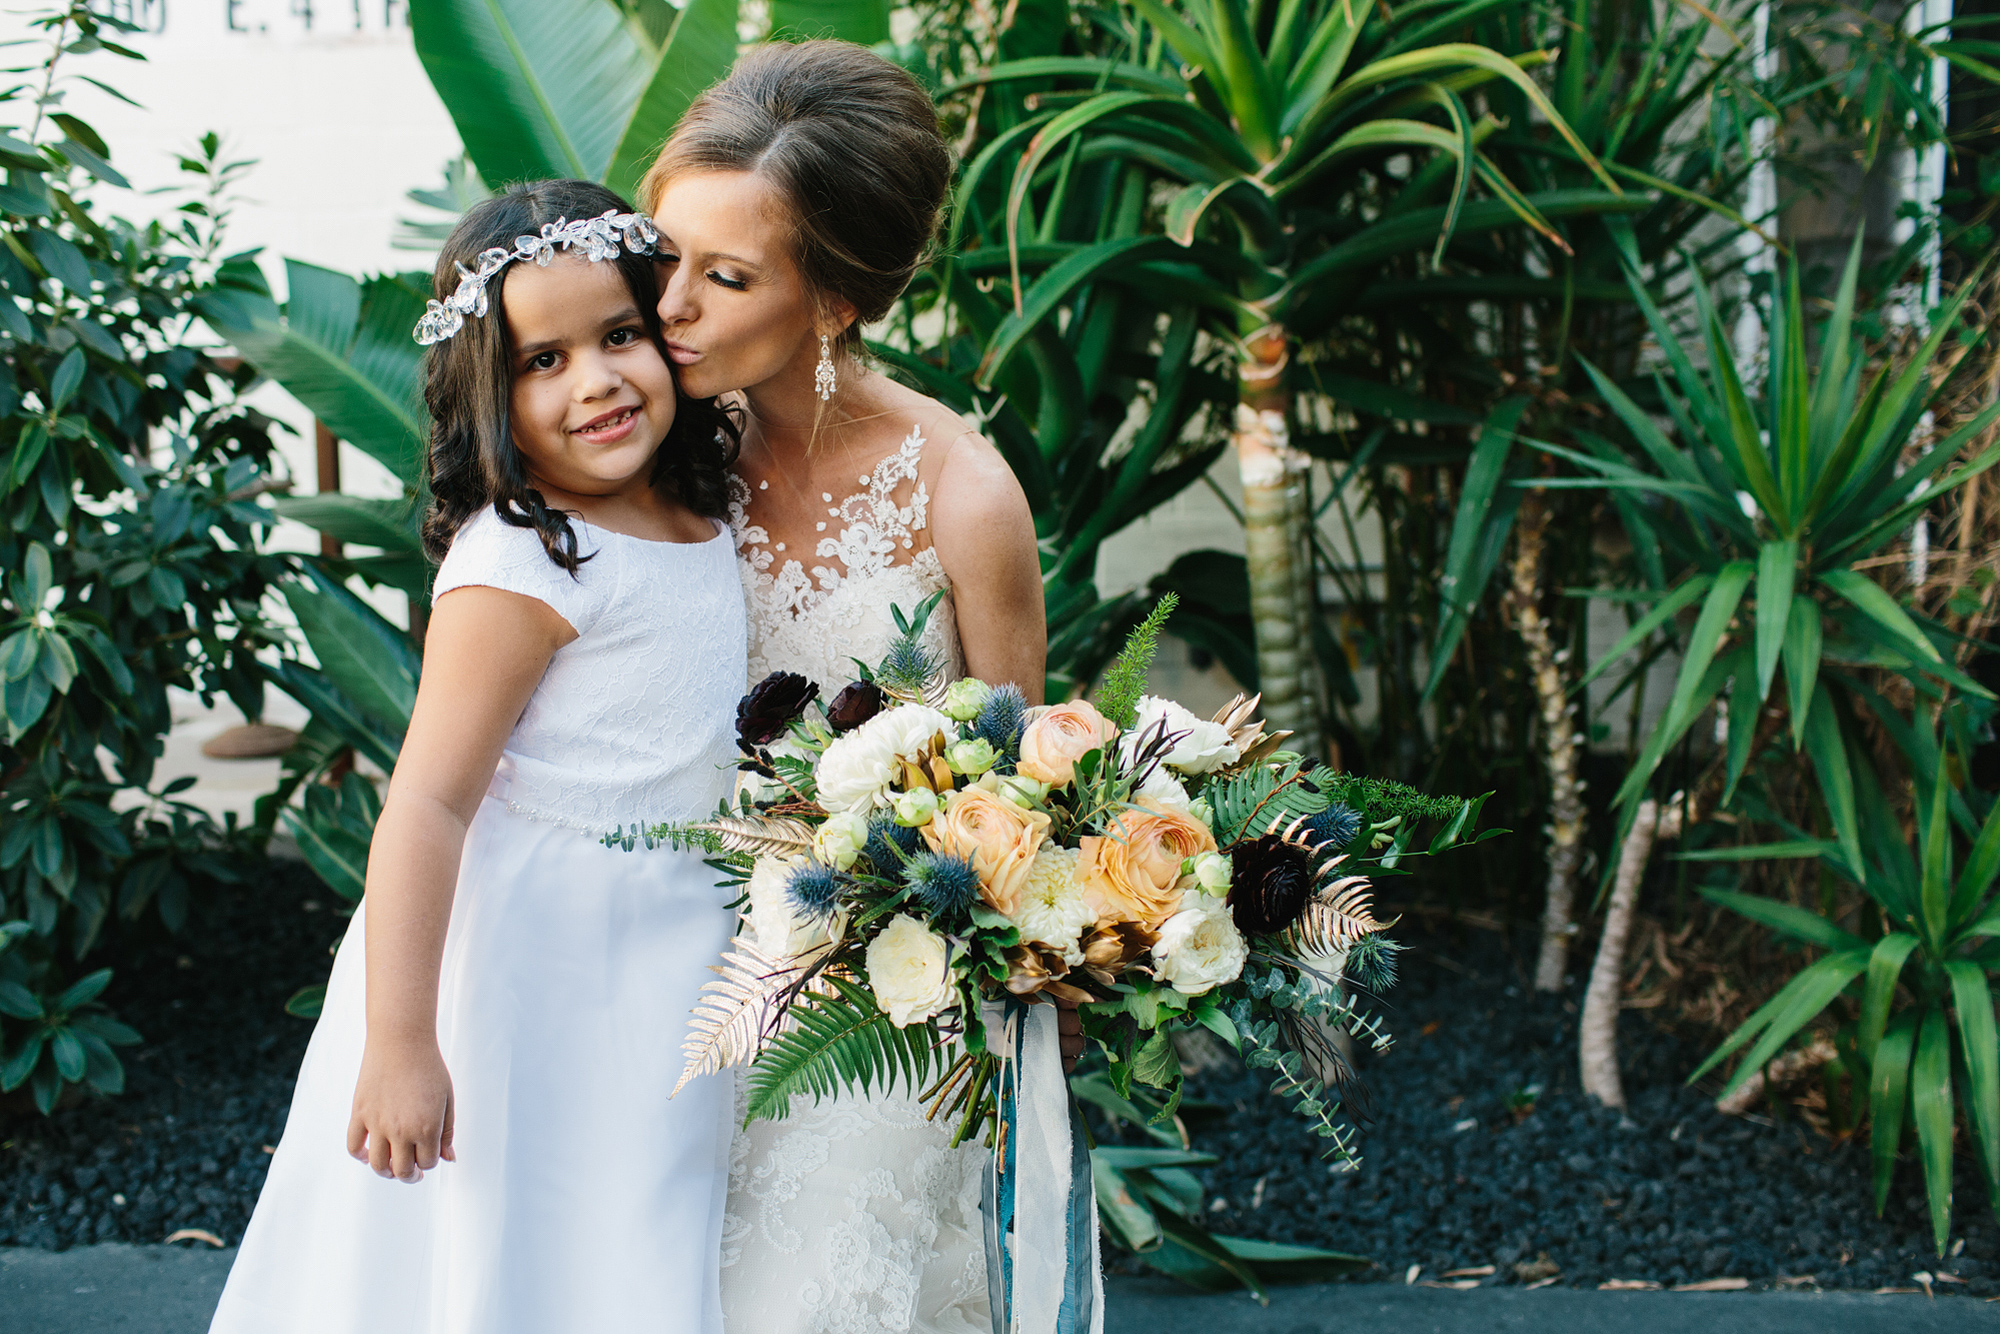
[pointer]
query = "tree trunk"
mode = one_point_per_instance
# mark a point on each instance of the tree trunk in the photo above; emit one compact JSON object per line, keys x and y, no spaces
{"x":1597,"y":1039}
{"x":1271,"y":472}
{"x":1561,"y":743}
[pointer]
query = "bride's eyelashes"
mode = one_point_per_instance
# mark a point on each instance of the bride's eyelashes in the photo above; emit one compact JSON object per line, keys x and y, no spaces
{"x":718,"y":278}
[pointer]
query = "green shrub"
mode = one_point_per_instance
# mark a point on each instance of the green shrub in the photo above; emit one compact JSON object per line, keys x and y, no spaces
{"x":129,"y":472}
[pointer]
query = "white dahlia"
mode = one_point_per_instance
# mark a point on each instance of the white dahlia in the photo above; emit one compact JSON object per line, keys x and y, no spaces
{"x":856,"y":771}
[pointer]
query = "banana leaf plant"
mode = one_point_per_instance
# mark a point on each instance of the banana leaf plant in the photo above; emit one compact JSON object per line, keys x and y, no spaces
{"x":1272,"y":143}
{"x":342,"y":347}
{"x":1912,"y":997}
{"x":1768,"y":510}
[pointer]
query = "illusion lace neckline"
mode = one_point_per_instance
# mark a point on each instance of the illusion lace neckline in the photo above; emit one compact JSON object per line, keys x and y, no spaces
{"x":860,"y":538}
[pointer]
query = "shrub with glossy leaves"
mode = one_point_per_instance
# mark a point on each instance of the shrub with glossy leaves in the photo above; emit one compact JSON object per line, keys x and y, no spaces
{"x":129,"y":530}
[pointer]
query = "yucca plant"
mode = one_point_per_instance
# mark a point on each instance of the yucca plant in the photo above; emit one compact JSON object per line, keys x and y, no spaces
{"x":1271,"y":133}
{"x":1770,"y":508}
{"x":1912,"y":1000}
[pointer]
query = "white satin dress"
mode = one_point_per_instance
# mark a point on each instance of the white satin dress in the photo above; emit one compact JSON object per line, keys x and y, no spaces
{"x":582,"y":1200}
{"x":851,"y":1216}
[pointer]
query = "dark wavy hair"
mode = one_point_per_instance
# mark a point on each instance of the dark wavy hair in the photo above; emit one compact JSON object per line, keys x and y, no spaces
{"x":468,"y":387}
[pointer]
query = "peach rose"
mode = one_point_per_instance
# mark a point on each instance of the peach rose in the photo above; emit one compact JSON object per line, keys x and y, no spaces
{"x":1053,"y":743}
{"x":996,"y":836}
{"x":1132,"y":873}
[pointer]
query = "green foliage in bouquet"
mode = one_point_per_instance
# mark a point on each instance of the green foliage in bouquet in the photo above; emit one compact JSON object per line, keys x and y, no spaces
{"x":917,"y":851}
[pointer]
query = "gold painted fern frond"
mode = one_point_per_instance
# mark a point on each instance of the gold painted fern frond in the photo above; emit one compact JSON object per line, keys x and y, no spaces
{"x":1338,"y":915}
{"x":761,"y":835}
{"x":731,"y":1021}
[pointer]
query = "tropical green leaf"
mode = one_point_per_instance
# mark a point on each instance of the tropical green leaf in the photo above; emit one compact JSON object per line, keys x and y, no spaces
{"x":698,"y":52}
{"x":1464,"y":578}
{"x":1803,"y":637}
{"x":344,"y":350}
{"x":1878,"y":994}
{"x":1802,"y":999}
{"x":1799,"y":922}
{"x":1931,"y":1110}
{"x":1670,"y":604}
{"x":388,"y":524}
{"x":369,"y":660}
{"x":1979,"y":1043}
{"x":537,"y":88}
{"x":1981,"y":865}
{"x":1824,"y":744}
{"x":1777,"y":562}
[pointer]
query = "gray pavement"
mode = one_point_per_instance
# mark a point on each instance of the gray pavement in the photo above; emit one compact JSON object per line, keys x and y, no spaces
{"x":171,"y":1290}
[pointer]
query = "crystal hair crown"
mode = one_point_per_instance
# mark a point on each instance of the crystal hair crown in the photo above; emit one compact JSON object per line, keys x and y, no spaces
{"x":601,"y":238}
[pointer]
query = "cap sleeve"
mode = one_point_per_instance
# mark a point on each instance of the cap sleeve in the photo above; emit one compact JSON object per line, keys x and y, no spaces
{"x":491,"y":553}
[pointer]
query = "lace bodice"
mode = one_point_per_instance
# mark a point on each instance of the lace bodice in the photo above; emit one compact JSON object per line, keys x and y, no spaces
{"x":852,"y":1215}
{"x":632,"y":720}
{"x":817,"y":620}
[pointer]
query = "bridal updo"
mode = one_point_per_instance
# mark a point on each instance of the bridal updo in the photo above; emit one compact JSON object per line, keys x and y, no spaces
{"x":850,"y":140}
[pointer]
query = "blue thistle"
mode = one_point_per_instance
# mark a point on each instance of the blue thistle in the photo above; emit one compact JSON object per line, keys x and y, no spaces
{"x":1337,"y":824}
{"x":886,"y":839}
{"x":947,"y":886}
{"x":908,"y":666}
{"x":1371,"y":963}
{"x":814,"y":889}
{"x":1000,"y":723}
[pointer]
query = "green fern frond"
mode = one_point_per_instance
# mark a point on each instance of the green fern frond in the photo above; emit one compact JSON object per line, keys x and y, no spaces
{"x":836,"y":1042}
{"x":1384,"y":799}
{"x":1245,"y":804}
{"x":1118,"y":698}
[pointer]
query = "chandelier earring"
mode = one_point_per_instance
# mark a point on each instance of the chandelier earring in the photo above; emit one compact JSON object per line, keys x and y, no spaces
{"x":823,"y":380}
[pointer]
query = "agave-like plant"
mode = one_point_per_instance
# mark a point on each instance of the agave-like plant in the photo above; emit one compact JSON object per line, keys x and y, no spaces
{"x":1271,"y":132}
{"x":1923,"y":1030}
{"x":1772,"y":507}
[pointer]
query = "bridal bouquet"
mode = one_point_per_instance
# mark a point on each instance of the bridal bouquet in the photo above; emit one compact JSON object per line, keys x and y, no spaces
{"x":914,"y":855}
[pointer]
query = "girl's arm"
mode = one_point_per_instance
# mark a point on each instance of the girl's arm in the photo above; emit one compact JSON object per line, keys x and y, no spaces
{"x":985,"y":538}
{"x":483,"y":655}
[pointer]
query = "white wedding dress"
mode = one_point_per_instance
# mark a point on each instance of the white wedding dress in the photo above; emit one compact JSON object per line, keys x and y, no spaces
{"x":851,"y":1215}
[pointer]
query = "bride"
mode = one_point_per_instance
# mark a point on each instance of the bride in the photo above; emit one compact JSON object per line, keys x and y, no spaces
{"x":795,"y":201}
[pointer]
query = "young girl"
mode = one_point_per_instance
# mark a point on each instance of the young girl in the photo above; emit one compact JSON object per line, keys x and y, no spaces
{"x":481,"y":1139}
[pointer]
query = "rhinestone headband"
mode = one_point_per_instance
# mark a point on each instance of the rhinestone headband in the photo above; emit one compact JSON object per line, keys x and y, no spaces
{"x":601,"y":238}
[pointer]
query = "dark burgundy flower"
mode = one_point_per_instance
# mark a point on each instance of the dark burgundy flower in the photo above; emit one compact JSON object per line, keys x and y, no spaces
{"x":763,"y":715}
{"x":1269,"y":885}
{"x":854,"y":706}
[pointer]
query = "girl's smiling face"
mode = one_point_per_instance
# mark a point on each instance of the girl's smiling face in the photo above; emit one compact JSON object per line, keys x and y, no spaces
{"x":592,"y":398}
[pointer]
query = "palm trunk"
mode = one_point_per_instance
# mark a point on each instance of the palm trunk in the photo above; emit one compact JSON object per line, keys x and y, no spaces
{"x":1561,"y":744}
{"x":1598,"y":1036}
{"x":1273,"y":498}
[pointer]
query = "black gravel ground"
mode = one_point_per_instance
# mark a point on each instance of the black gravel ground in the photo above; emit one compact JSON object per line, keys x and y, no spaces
{"x":1458,"y":1174}
{"x":183,"y":1147}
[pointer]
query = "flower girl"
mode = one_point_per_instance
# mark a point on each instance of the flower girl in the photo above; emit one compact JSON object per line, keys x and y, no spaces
{"x":481,"y":1140}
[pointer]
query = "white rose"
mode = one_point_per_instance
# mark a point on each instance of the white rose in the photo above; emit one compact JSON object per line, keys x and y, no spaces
{"x":779,"y":929}
{"x":965,"y":697}
{"x":909,"y":969}
{"x":1199,"y":746}
{"x":1163,"y":789}
{"x":839,"y":841}
{"x":1199,"y":946}
{"x":1051,"y":910}
{"x":856,"y":771}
